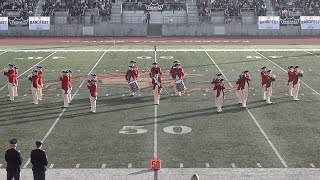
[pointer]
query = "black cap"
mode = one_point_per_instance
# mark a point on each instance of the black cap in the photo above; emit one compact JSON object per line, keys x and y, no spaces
{"x":130,"y":66}
{"x":11,"y":64}
{"x":93,"y":74}
{"x":177,"y":61}
{"x":65,"y":71}
{"x":34,"y":70}
{"x":38,"y":66}
{"x":154,"y":63}
{"x":219,"y":74}
{"x":245,"y":71}
{"x":264,"y":67}
{"x":69,"y":71}
{"x":93,"y":80}
{"x":38,"y":143}
{"x":296,"y":67}
{"x":269,"y":70}
{"x":290,"y":67}
{"x":13,"y":141}
{"x":220,"y":79}
{"x":133,"y":62}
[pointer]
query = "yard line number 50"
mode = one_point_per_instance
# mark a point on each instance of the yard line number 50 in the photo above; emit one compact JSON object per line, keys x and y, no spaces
{"x":142,"y":130}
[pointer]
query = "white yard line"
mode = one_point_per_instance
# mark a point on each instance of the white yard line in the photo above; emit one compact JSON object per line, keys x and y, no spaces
{"x":0,"y":165}
{"x":51,"y":166}
{"x":253,"y":118}
{"x":62,"y":112}
{"x":165,"y":50}
{"x":155,"y":135}
{"x":3,"y":52}
{"x":312,"y":54}
{"x":31,"y":68}
{"x":286,"y":71}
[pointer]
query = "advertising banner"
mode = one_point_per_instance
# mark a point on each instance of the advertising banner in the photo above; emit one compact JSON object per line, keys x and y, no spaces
{"x":269,"y":22}
{"x":3,"y":23}
{"x":310,"y":22}
{"x":39,"y":23}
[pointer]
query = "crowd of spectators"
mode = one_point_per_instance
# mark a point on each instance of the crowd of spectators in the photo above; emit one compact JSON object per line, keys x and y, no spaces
{"x":305,"y":7}
{"x":23,"y":7}
{"x":231,"y":8}
{"x":77,"y":8}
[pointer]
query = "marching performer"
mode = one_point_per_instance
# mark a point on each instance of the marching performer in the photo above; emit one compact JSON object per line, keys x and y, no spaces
{"x":15,"y":88}
{"x":296,"y":82}
{"x":219,"y":94}
{"x":214,"y":82}
{"x":264,"y":77}
{"x":34,"y":78}
{"x":70,"y":83}
{"x":269,"y":83}
{"x":290,"y":79}
{"x":177,"y":73}
{"x":155,"y":74}
{"x":132,"y":76}
{"x":10,"y":73}
{"x":91,"y":77}
{"x":243,"y":87}
{"x":134,"y":66}
{"x":66,"y":88}
{"x":93,"y":95}
{"x":40,"y":82}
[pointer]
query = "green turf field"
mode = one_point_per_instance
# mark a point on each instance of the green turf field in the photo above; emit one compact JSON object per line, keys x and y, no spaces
{"x":182,"y":131}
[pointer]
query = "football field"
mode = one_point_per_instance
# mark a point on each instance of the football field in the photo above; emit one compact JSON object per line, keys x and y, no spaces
{"x":184,"y":132}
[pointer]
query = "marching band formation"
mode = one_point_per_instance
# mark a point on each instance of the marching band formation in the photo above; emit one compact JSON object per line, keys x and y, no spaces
{"x":177,"y":73}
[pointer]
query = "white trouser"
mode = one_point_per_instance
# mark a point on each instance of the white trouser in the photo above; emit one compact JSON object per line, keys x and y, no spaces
{"x":243,"y":96}
{"x":35,"y":95}
{"x":66,"y":98}
{"x":290,"y":88}
{"x":69,"y":96}
{"x":15,"y":90}
{"x":219,"y":101}
{"x":215,"y":97}
{"x":11,"y":91}
{"x":40,"y":94}
{"x":264,"y":92}
{"x":295,"y":91}
{"x":156,"y":95}
{"x":176,"y":92}
{"x":93,"y":102}
{"x":269,"y":94}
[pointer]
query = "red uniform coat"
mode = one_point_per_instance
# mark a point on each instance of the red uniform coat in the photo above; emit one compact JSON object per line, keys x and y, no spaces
{"x":296,"y":77}
{"x":35,"y":81}
{"x":174,"y":72}
{"x":242,"y":81}
{"x":159,"y":83}
{"x":214,"y":82}
{"x":15,"y":76}
{"x":152,"y":71}
{"x":131,"y":75}
{"x":269,"y":81}
{"x":290,"y":76}
{"x":93,"y":90}
{"x":70,"y":81}
{"x":264,"y":77}
{"x":65,"y":84}
{"x":40,"y":81}
{"x":11,"y":76}
{"x":220,"y":87}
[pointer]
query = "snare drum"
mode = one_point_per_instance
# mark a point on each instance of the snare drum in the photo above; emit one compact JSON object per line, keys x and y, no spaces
{"x":180,"y":85}
{"x":134,"y":86}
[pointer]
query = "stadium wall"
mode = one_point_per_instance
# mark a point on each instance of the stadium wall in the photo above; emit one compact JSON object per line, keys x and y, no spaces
{"x":167,"y":30}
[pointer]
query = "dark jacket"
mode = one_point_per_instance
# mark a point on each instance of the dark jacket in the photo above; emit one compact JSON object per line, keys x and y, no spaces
{"x":39,"y":160}
{"x":14,"y":160}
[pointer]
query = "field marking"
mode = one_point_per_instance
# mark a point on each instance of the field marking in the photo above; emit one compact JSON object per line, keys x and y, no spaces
{"x":103,"y":166}
{"x":51,"y":166}
{"x":311,"y":53}
{"x":207,"y":165}
{"x":0,"y":165}
{"x":253,"y":118}
{"x":259,"y":165}
{"x":164,"y":50}
{"x":31,"y":68}
{"x":77,"y":166}
{"x":130,"y":165}
{"x":181,"y":165}
{"x":3,"y":53}
{"x":286,"y":71}
{"x":233,"y":165}
{"x":62,"y":112}
{"x":312,"y":165}
{"x":155,"y":138}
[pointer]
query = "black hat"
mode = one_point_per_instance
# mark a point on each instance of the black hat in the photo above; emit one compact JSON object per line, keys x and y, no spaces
{"x":221,"y":80}
{"x":34,"y":70}
{"x":130,"y":66}
{"x":93,"y":74}
{"x":219,"y":74}
{"x":290,"y":67}
{"x":154,"y":63}
{"x":11,"y":64}
{"x":13,"y":141}
{"x":69,"y":71}
{"x":65,"y":71}
{"x":38,"y":66}
{"x":245,"y":71}
{"x":38,"y":143}
{"x":269,"y":70}
{"x":133,"y":62}
{"x":177,"y":61}
{"x":263,"y":67}
{"x":296,"y":67}
{"x":93,"y":80}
